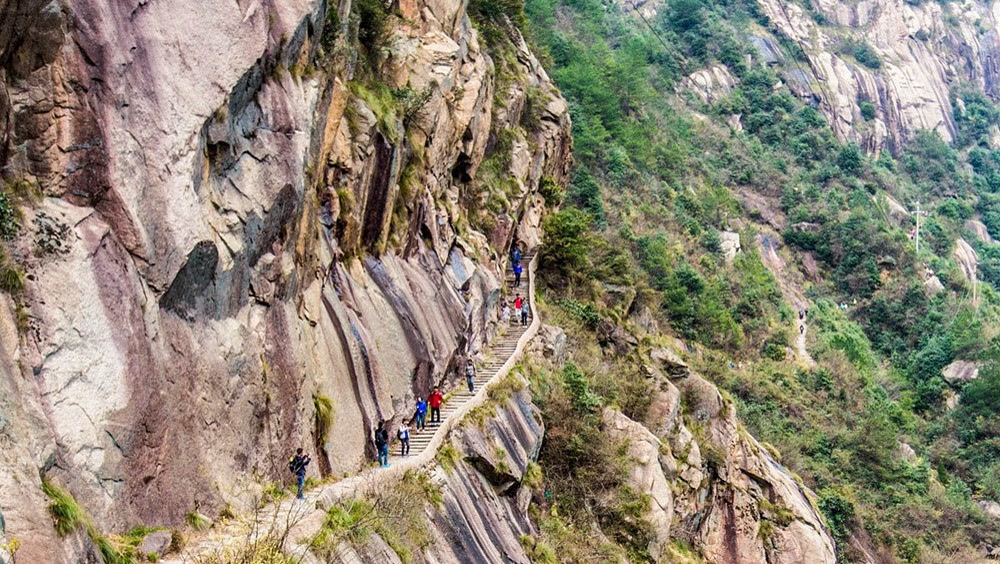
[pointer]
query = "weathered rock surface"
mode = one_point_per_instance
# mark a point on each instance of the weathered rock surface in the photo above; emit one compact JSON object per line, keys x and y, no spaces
{"x":978,"y":228}
{"x":967,"y":259}
{"x":923,"y":49}
{"x":960,"y":371}
{"x":730,"y":244}
{"x":241,"y":237}
{"x":711,"y":84}
{"x":718,"y":489}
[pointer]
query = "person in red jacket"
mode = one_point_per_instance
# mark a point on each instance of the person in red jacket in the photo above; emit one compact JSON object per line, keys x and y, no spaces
{"x":435,"y":400}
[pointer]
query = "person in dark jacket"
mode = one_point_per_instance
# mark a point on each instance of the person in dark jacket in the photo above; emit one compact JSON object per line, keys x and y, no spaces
{"x":297,"y":464}
{"x":382,"y":444}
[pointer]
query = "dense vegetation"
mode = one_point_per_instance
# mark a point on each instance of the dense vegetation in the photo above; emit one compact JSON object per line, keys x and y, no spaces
{"x":659,"y":177}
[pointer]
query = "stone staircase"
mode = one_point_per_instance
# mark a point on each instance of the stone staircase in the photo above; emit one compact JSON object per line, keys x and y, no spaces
{"x":497,"y":355}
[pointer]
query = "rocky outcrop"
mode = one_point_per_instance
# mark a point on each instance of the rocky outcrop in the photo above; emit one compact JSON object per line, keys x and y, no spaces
{"x":967,"y":260}
{"x":711,"y":84}
{"x":252,"y":225}
{"x":713,"y":485}
{"x":914,"y":53}
{"x":960,"y":372}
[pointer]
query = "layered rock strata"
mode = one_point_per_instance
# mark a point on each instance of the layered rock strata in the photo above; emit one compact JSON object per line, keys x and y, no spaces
{"x":242,"y":217}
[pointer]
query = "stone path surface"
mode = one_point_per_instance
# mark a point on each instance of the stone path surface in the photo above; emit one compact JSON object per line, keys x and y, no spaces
{"x":296,"y":522}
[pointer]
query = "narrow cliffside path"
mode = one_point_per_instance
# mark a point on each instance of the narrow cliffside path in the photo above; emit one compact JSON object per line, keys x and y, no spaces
{"x":792,"y":293}
{"x":294,"y":523}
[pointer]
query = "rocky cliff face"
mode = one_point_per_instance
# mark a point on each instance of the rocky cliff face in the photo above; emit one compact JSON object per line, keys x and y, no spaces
{"x":918,"y":54}
{"x":925,"y":49}
{"x":252,"y":210}
{"x":238,"y":222}
{"x":712,"y":484}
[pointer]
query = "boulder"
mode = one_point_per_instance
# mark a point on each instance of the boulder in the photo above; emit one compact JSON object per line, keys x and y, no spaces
{"x":670,"y":363}
{"x":950,"y":399}
{"x":960,"y":371}
{"x":615,"y":337}
{"x":978,"y":228}
{"x":933,"y":285}
{"x":157,"y":542}
{"x":906,"y":452}
{"x":967,"y":259}
{"x":730,"y":244}
{"x":711,"y":84}
{"x":991,"y":508}
{"x":551,"y":340}
{"x":645,"y":473}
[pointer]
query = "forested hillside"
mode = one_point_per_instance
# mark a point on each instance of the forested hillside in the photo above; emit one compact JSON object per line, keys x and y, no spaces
{"x":688,"y":131}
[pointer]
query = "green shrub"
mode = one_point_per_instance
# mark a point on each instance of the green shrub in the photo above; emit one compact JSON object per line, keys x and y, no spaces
{"x":67,"y":516}
{"x":551,"y":191}
{"x":566,"y":245}
{"x":862,"y":53}
{"x":584,"y":400}
{"x":10,"y":222}
{"x":11,"y":277}
{"x":197,"y":521}
{"x":395,"y":514}
{"x":868,"y":110}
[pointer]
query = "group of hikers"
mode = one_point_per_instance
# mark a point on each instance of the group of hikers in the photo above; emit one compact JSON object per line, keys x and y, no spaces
{"x":520,"y":314}
{"x":419,"y":420}
{"x":297,"y":464}
{"x":515,"y":264}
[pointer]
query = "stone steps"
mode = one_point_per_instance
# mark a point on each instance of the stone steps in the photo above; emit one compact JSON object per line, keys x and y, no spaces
{"x":497,"y":355}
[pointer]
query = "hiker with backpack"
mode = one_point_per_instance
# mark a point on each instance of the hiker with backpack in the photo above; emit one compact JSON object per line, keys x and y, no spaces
{"x":403,"y":434}
{"x":518,"y":303}
{"x":382,"y":444}
{"x":297,"y":465}
{"x":524,"y":314}
{"x":420,"y":415}
{"x":518,"y":269}
{"x":435,"y":400}
{"x":515,"y":254}
{"x":470,"y":375}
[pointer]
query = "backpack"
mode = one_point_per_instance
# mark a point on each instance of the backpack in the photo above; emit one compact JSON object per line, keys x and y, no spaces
{"x":293,"y":465}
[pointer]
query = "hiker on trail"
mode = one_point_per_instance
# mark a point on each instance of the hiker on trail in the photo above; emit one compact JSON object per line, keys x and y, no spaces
{"x":297,"y":464}
{"x":470,"y":375}
{"x":435,"y":401}
{"x":505,"y":313}
{"x":802,"y":329}
{"x":518,"y":302}
{"x":524,"y":313}
{"x":403,"y":434}
{"x":518,"y":269}
{"x":382,"y":444}
{"x":515,"y":254}
{"x":420,"y":415}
